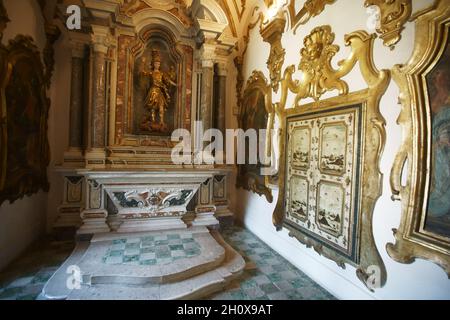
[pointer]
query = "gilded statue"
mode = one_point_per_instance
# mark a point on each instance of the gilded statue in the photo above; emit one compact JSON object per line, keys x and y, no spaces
{"x":158,"y":97}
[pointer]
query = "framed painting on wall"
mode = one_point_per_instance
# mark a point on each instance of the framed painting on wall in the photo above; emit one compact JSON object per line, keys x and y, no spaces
{"x":24,"y":107}
{"x":420,"y":177}
{"x":255,"y":114}
{"x":330,"y":150}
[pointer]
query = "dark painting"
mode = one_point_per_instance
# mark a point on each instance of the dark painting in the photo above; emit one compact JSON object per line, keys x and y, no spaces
{"x":438,"y":211}
{"x":254,"y":115}
{"x":24,"y":113}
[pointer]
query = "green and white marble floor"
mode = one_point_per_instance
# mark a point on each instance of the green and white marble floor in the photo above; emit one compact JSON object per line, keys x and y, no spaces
{"x":268,"y":276}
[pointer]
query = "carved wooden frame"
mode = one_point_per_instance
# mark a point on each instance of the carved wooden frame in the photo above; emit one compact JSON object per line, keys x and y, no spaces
{"x":413,"y":158}
{"x":130,"y":47}
{"x":256,"y":184}
{"x":318,"y":78}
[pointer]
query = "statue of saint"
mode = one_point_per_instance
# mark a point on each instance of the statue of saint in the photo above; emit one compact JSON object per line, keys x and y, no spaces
{"x":158,"y":97}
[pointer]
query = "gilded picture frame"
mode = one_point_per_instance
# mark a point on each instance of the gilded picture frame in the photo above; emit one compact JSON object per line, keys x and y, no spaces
{"x":356,"y":166}
{"x":256,"y":113}
{"x":420,"y":174}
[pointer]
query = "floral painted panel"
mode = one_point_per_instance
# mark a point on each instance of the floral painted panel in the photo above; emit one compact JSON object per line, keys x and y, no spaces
{"x":323,"y":177}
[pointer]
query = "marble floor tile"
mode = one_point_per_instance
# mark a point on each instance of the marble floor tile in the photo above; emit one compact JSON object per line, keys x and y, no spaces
{"x":268,"y":276}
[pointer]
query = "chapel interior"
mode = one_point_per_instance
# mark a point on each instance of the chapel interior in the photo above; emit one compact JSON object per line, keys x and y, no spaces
{"x":224,"y":149}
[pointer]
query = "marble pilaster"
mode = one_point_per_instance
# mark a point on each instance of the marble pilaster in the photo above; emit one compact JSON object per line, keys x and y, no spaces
{"x":221,"y":97}
{"x":73,"y":157}
{"x":101,"y":40}
{"x":206,"y":99}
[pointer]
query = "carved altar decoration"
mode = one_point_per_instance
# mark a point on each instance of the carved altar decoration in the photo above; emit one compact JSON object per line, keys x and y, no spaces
{"x":23,"y":113}
{"x":420,"y":176}
{"x":158,"y":98}
{"x":394,"y":15}
{"x":256,"y":108}
{"x":329,"y":176}
{"x":154,"y":90}
{"x":140,"y":89}
{"x":310,"y":9}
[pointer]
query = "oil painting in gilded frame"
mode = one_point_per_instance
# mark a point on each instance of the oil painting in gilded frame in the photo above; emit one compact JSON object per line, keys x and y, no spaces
{"x":255,"y":114}
{"x":330,"y":151}
{"x":424,"y":156}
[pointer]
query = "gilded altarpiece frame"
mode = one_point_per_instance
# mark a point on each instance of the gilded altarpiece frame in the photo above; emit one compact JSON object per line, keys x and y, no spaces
{"x":132,"y":54}
{"x":420,"y":177}
{"x":330,"y":153}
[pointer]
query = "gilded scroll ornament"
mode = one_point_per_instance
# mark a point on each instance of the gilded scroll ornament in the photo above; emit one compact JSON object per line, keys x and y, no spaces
{"x":422,"y":161}
{"x":272,"y":33}
{"x":394,"y":15}
{"x":310,"y":9}
{"x":329,"y":176}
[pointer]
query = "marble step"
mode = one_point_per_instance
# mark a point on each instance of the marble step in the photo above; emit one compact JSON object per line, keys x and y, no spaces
{"x":205,"y":254}
{"x":186,"y":285}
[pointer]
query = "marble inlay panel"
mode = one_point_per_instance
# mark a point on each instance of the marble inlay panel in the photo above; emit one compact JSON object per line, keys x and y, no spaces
{"x":152,"y":250}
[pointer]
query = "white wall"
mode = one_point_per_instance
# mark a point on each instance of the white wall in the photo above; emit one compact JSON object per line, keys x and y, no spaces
{"x":58,"y":130}
{"x":420,"y":280}
{"x":24,"y":221}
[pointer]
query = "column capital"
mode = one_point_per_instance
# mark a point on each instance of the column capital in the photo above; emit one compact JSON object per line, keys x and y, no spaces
{"x":222,"y":68}
{"x":206,"y":55}
{"x":78,"y":42}
{"x":78,"y":48}
{"x":101,"y":39}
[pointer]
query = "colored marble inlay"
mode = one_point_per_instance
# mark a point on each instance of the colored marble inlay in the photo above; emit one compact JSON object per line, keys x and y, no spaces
{"x":152,"y":250}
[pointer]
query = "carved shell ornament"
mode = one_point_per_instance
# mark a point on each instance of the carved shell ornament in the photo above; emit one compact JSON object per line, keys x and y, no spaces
{"x":316,"y":63}
{"x":318,"y":76}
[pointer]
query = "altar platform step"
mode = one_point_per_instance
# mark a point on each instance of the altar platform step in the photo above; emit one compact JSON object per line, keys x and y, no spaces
{"x":181,"y":264}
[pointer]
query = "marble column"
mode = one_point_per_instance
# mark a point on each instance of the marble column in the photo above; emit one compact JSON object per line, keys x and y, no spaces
{"x":206,"y":99}
{"x":95,"y":156}
{"x":76,"y":104}
{"x":207,"y":93}
{"x":221,"y":97}
{"x":98,"y":124}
